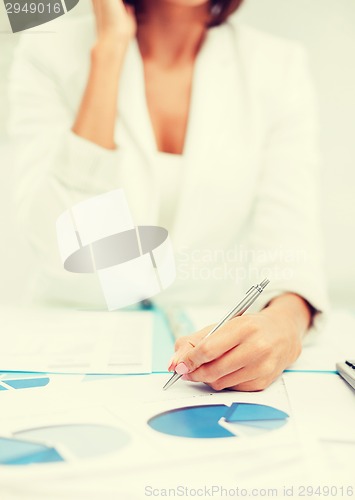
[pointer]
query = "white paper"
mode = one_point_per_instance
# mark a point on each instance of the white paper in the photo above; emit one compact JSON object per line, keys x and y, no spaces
{"x":324,"y":411}
{"x":324,"y":405}
{"x":140,"y":398}
{"x":336,"y":342}
{"x":62,"y":341}
{"x":271,"y":459}
{"x":128,"y":403}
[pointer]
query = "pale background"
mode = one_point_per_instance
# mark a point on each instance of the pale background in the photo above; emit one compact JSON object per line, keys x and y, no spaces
{"x":327,"y":29}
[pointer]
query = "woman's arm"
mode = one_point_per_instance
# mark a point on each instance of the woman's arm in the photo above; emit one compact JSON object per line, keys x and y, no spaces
{"x":55,"y":166}
{"x":250,"y":351}
{"x":97,"y":114}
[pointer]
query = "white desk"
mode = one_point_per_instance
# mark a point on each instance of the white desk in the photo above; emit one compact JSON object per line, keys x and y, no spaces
{"x":317,"y":449}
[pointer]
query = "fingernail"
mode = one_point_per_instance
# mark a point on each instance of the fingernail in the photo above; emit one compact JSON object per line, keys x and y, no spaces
{"x":181,"y":369}
{"x":171,"y":363}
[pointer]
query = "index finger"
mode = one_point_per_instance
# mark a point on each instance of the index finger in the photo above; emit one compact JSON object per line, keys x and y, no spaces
{"x":184,"y":344}
{"x":208,"y":349}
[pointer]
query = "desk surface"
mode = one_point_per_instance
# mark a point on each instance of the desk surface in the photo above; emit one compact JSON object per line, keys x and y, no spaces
{"x":320,"y":450}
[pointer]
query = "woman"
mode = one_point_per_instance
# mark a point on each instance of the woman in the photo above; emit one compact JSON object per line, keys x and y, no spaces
{"x":212,"y":137}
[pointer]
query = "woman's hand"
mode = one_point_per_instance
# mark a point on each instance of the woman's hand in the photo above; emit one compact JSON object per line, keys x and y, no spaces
{"x":114,"y":20}
{"x":248,"y":352}
{"x":96,"y":118}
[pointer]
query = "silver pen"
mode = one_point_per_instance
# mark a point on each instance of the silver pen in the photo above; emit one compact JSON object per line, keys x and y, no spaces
{"x":242,"y":306}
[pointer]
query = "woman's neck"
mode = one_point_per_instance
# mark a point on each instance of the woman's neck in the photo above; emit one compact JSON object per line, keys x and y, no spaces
{"x":170,"y":34}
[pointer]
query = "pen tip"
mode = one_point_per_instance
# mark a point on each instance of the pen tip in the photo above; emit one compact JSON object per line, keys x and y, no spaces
{"x":175,"y":376}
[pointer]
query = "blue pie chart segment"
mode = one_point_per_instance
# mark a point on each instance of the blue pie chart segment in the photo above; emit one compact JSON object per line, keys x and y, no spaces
{"x":267,"y":425}
{"x":27,"y":383}
{"x":192,"y":422}
{"x":241,"y":412}
{"x":22,"y":380}
{"x":204,"y":421}
{"x":61,"y":443}
{"x":23,"y":452}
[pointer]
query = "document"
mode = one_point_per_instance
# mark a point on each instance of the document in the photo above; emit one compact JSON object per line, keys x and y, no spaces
{"x":103,"y":435}
{"x":148,"y":419}
{"x":62,"y":341}
{"x":324,"y":405}
{"x":335,"y":342}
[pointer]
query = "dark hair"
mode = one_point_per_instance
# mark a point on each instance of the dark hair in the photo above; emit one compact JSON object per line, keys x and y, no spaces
{"x":221,"y":9}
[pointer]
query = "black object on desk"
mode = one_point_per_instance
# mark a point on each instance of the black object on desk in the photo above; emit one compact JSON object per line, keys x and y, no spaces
{"x":347,"y":371}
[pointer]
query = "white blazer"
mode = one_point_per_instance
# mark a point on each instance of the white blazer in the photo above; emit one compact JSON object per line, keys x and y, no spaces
{"x":248,"y":206}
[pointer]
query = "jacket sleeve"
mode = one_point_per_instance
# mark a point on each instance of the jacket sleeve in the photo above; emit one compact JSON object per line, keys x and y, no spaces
{"x":54,"y":167}
{"x":285,"y":236}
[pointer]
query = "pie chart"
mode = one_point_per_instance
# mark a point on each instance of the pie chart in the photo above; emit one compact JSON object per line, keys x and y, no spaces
{"x":61,"y":443}
{"x":21,"y":381}
{"x":219,"y":421}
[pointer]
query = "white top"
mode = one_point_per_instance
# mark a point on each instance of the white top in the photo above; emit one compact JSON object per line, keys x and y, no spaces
{"x":169,"y":175}
{"x":248,"y":196}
